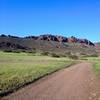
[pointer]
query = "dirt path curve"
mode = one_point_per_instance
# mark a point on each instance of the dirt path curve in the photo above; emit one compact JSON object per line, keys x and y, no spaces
{"x":73,"y":83}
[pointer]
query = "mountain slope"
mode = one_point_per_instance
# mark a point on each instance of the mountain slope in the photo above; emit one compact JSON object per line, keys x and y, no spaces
{"x":50,"y":43}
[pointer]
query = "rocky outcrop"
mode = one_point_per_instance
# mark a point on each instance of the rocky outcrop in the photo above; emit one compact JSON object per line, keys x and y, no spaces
{"x":61,"y":39}
{"x":64,"y":39}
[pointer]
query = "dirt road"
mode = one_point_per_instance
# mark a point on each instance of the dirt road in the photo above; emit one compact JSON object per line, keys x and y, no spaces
{"x":74,"y":83}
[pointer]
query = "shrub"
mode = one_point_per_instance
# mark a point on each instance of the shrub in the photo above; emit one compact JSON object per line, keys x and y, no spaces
{"x":13,"y":51}
{"x":7,"y":50}
{"x":16,"y":51}
{"x":94,"y":55}
{"x":83,"y":54}
{"x":68,"y":53}
{"x":55,"y":55}
{"x":62,"y":55}
{"x":74,"y":57}
{"x":45,"y":53}
{"x":33,"y":51}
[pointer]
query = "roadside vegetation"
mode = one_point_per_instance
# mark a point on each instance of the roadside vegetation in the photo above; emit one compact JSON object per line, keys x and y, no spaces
{"x":19,"y":69}
{"x":96,"y":62}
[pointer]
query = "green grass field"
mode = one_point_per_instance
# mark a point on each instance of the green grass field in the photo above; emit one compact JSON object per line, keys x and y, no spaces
{"x":96,"y":61}
{"x":18,"y":69}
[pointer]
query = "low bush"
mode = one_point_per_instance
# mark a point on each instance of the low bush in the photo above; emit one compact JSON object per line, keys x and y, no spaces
{"x":13,"y":51}
{"x":74,"y":57}
{"x":55,"y":55}
{"x":7,"y":50}
{"x":16,"y":51}
{"x":45,"y":53}
{"x":94,"y":55}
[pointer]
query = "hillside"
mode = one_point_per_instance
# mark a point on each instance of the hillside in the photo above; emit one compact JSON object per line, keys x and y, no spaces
{"x":50,"y":43}
{"x":97,"y":46}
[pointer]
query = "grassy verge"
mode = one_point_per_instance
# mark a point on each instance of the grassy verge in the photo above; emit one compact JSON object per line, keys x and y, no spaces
{"x":97,"y":68}
{"x":19,"y":69}
{"x":96,"y":63}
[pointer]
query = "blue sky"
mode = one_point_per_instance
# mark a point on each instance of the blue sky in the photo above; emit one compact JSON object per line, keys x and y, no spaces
{"x":80,"y":18}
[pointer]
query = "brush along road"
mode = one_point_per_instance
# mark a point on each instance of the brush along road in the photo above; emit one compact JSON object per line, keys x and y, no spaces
{"x":77,"y":82}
